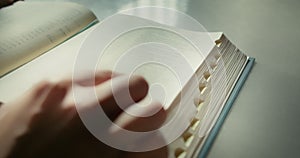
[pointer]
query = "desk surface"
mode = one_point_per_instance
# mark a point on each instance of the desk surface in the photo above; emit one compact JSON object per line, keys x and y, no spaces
{"x":264,"y":121}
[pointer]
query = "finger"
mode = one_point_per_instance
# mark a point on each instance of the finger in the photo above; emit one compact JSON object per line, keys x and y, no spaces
{"x":15,"y":117}
{"x":77,"y":141}
{"x":157,"y":153}
{"x":36,"y":119}
{"x":37,"y":92}
{"x":18,"y":113}
{"x":153,"y":144}
{"x":85,"y":79}
{"x":4,"y":3}
{"x":54,"y":97}
{"x":50,"y":118}
{"x":51,"y":110}
{"x":142,"y":123}
{"x":90,"y":79}
{"x":121,"y":92}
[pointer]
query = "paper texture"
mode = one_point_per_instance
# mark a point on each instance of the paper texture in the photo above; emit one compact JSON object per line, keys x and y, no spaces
{"x":29,"y":29}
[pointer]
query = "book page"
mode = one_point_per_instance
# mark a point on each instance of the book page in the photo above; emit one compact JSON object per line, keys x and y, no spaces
{"x":166,"y":56}
{"x":48,"y":67}
{"x":65,"y":54}
{"x":29,"y":29}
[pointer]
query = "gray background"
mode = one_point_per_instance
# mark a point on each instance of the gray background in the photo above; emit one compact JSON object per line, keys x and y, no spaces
{"x":264,"y":120}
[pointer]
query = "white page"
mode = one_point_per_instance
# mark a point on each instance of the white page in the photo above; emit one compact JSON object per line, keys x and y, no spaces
{"x":53,"y":65}
{"x":59,"y":62}
{"x":28,"y":29}
{"x":173,"y":55}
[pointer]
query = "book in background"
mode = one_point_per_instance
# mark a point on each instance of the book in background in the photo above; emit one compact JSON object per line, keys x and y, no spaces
{"x":29,"y":29}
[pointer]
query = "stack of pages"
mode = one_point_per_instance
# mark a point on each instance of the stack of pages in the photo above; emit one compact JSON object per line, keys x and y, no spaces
{"x":220,"y":78}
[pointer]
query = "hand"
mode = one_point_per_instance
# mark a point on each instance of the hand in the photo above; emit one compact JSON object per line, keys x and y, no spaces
{"x":42,"y":123}
{"x":4,"y":3}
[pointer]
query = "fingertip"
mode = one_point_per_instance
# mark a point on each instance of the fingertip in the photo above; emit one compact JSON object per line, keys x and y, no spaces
{"x":55,"y":96}
{"x":139,"y":80}
{"x":89,"y":78}
{"x":142,"y":119}
{"x":138,"y":87}
{"x":162,"y":113}
{"x":104,"y":72}
{"x":41,"y":87}
{"x":104,"y":75}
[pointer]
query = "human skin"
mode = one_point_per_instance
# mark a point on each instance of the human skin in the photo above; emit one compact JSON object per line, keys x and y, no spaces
{"x":4,"y":3}
{"x":44,"y":122}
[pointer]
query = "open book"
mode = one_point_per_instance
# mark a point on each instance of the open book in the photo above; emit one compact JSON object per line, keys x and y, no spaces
{"x":30,"y":29}
{"x":199,"y":99}
{"x":199,"y":72}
